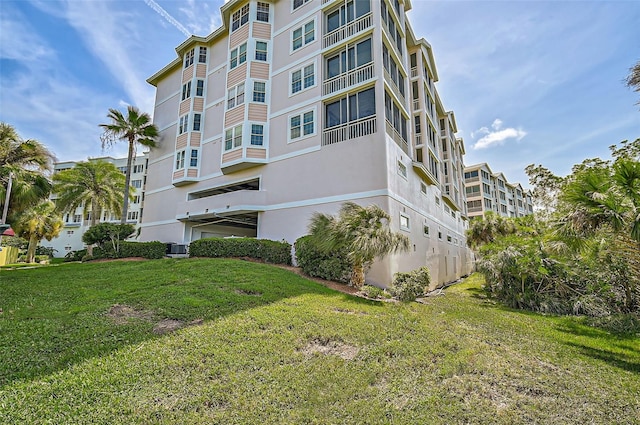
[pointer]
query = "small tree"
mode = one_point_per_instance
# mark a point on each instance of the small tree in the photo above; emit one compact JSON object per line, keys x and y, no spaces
{"x":363,"y":232}
{"x":41,"y":221}
{"x":102,"y":233}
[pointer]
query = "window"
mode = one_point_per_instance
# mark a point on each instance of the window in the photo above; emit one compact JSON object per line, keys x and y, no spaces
{"x":238,"y":56}
{"x":262,"y":14}
{"x":194,"y":158}
{"x":69,"y":232}
{"x":123,"y":170}
{"x":259,"y":89}
{"x":136,"y":199}
{"x":132,"y":215}
{"x":199,"y":87}
{"x":425,"y":230}
{"x":180,"y":160}
{"x":257,"y":134}
{"x":474,"y":205}
{"x":138,"y":168}
{"x":298,"y":3}
{"x":487,"y":203}
{"x":303,"y":35}
{"x":394,"y":116}
{"x":402,"y":169}
{"x":302,"y":78}
{"x":184,"y":124}
{"x":196,"y":122}
{"x":350,"y":58}
{"x":233,"y":138}
{"x":240,"y":17}
{"x":188,"y":58}
{"x":261,"y":50}
{"x":439,"y":234}
{"x":77,"y":218}
{"x":302,"y":125}
{"x":350,"y":108}
{"x":202,"y":57}
{"x":136,"y":183}
{"x":485,"y":175}
{"x":235,"y":96}
{"x":437,"y":200}
{"x":404,"y":222}
{"x":472,"y":190}
{"x":394,"y":70}
{"x":186,"y":90}
{"x":349,"y":12}
{"x":471,"y":175}
{"x":449,"y":238}
{"x":417,"y":124}
{"x":423,"y":188}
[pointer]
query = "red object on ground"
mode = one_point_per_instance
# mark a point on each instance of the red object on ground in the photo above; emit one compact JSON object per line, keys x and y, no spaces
{"x":8,"y":232}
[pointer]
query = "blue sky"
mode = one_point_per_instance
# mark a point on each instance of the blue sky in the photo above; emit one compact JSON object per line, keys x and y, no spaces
{"x":530,"y":82}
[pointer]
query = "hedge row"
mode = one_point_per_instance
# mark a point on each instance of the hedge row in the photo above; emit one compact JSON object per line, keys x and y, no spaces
{"x":261,"y":249}
{"x":334,"y":266}
{"x":149,"y":250}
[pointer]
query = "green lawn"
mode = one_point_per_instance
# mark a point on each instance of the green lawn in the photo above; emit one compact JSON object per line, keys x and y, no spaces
{"x":261,"y":345}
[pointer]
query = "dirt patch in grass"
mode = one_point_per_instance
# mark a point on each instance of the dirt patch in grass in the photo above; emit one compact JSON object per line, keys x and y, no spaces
{"x":347,"y":311}
{"x":331,"y":348}
{"x":166,"y":326}
{"x":248,"y":292}
{"x":121,"y":314}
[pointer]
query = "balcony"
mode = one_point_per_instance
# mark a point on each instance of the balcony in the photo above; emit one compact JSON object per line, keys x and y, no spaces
{"x":416,"y":104}
{"x":394,"y":88}
{"x":397,"y":137}
{"x":226,"y":203}
{"x":423,"y":172}
{"x":350,"y":130}
{"x":185,"y":176}
{"x":414,"y":72}
{"x":340,"y":34}
{"x":418,"y":139}
{"x":348,"y":79}
{"x":243,"y":158}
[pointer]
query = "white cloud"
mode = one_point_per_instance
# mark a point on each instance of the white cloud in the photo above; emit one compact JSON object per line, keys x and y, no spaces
{"x":496,"y":136}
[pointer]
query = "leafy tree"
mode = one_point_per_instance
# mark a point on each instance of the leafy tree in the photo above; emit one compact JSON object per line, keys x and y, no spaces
{"x":363,"y":232}
{"x":488,"y":228}
{"x":28,"y":162}
{"x":103,"y":233}
{"x":97,"y":186}
{"x":135,"y":128}
{"x":633,"y":79}
{"x":546,"y":186}
{"x":34,"y":224}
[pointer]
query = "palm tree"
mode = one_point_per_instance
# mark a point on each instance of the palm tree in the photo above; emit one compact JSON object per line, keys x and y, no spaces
{"x":608,"y":199}
{"x":135,"y":128}
{"x":97,"y":186}
{"x":34,"y":224}
{"x":27,"y":162}
{"x":487,"y":228}
{"x":363,"y":232}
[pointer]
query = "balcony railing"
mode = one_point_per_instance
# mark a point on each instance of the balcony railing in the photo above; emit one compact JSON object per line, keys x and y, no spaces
{"x":416,"y":104}
{"x":391,"y":131}
{"x":418,"y":138}
{"x":350,"y":130}
{"x":346,"y":31}
{"x":348,"y":79}
{"x":394,"y":88}
{"x":414,"y":72}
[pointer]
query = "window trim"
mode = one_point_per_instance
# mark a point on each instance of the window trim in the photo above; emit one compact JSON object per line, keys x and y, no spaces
{"x":252,"y":134}
{"x":183,"y":124}
{"x":253,"y":92}
{"x":241,"y":16}
{"x":303,"y":35}
{"x":258,"y":11}
{"x":266,"y":51}
{"x":301,"y":114}
{"x":406,"y":228}
{"x":238,"y":56}
{"x":294,"y":8}
{"x":234,"y":137}
{"x":303,"y":77}
{"x":236,"y":96}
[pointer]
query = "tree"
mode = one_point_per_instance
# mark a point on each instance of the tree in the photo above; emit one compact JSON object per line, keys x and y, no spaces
{"x":488,"y":228}
{"x":34,"y":224}
{"x":545,"y":189}
{"x":27,"y":162}
{"x":135,"y":128}
{"x":633,"y":79}
{"x":363,"y":232}
{"x":97,"y":186}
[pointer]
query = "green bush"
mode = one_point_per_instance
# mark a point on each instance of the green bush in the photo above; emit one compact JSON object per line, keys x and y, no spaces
{"x":260,"y":249}
{"x":45,"y":250}
{"x":374,"y":292}
{"x":108,"y":233}
{"x":314,"y":262}
{"x":409,"y":286}
{"x":37,"y":258}
{"x":75,"y":255}
{"x":150,"y":250}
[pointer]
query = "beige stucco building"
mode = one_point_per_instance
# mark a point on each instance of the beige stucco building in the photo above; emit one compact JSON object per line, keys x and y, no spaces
{"x":293,"y":107}
{"x":489,"y":191}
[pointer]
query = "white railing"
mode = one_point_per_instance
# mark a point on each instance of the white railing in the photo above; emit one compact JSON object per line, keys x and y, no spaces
{"x":350,"y":130}
{"x":418,"y":138}
{"x":414,"y":72}
{"x":394,"y":88}
{"x":346,"y":31}
{"x":348,"y":79}
{"x":391,"y":131}
{"x":416,"y":104}
{"x":445,"y":155}
{"x":443,"y":132}
{"x":474,"y":209}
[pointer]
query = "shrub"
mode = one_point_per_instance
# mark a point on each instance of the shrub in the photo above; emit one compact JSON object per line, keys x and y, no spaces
{"x":261,"y":249}
{"x":37,"y":259}
{"x":75,"y":255}
{"x":150,"y":250}
{"x":373,"y":292}
{"x":102,"y":233}
{"x":316,"y":263}
{"x":409,"y":286}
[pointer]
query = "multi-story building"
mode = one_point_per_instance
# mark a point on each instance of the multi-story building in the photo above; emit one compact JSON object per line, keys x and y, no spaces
{"x":295,"y":107}
{"x":489,"y":191}
{"x":76,"y":223}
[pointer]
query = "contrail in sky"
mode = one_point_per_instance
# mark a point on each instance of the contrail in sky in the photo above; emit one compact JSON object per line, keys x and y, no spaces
{"x":155,"y":6}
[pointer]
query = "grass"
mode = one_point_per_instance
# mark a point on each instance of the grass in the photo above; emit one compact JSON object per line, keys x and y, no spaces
{"x":275,"y":348}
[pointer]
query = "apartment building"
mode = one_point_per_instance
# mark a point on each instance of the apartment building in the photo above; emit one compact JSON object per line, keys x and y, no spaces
{"x":295,"y":107}
{"x":76,"y":223}
{"x":489,"y":191}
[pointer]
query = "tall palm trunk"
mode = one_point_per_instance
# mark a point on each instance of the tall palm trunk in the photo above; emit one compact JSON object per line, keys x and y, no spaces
{"x":94,"y":207}
{"x":127,"y":181}
{"x":357,"y":277}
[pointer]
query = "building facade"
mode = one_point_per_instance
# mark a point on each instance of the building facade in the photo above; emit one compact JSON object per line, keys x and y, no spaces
{"x":76,"y":223}
{"x":295,"y":107}
{"x":489,"y":191}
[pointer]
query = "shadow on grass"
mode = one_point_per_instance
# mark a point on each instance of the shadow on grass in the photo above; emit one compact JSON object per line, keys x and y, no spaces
{"x":52,"y":318}
{"x":620,"y":351}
